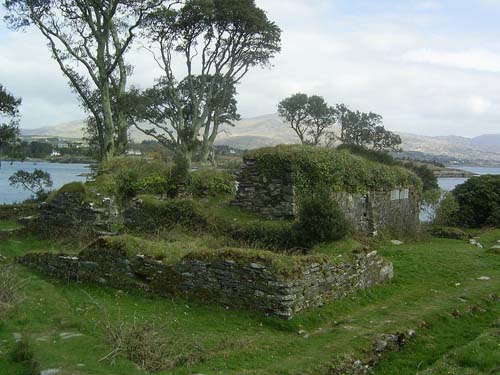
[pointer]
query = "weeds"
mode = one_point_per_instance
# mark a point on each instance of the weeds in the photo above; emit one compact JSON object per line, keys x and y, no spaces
{"x":23,"y":354}
{"x":10,"y":287}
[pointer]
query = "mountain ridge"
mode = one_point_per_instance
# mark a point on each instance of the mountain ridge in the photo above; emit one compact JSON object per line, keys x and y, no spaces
{"x":269,"y":130}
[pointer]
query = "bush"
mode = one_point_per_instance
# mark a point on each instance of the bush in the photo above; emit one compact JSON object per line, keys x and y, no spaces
{"x":10,"y":287}
{"x":211,"y":182}
{"x":319,"y":220}
{"x":153,"y":348}
{"x":23,"y":354}
{"x":479,"y":201}
{"x":125,"y":178}
{"x":447,"y":211}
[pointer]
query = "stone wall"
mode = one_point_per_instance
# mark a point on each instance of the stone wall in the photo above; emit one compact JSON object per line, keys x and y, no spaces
{"x":223,"y":279}
{"x":16,"y":211}
{"x":369,"y":213}
{"x":72,"y":210}
{"x":274,"y":198}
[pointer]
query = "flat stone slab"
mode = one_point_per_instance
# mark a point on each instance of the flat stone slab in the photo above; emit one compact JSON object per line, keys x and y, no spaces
{"x":51,"y":371}
{"x":69,"y":335}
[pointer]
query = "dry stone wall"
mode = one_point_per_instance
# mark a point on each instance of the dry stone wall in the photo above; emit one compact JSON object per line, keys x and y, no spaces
{"x":274,"y":198}
{"x":72,"y":210}
{"x":369,"y":212}
{"x":222,"y":279}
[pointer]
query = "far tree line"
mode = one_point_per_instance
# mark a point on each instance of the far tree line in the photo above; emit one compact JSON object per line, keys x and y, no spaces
{"x":314,"y":121}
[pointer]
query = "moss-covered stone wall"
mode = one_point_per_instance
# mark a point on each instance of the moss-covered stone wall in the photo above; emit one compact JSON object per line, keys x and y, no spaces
{"x":234,"y":278}
{"x":390,"y":202}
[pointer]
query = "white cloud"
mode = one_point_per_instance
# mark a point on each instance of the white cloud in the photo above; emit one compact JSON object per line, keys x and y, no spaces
{"x":478,"y":104}
{"x":468,"y":59}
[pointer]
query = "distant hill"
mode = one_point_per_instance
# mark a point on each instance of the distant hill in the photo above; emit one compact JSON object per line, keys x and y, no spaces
{"x":269,"y":130}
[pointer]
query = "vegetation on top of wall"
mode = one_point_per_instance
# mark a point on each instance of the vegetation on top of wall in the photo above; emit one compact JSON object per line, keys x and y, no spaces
{"x":279,"y":264}
{"x":133,"y":245}
{"x":70,"y":188}
{"x":427,"y":176}
{"x":338,"y":170}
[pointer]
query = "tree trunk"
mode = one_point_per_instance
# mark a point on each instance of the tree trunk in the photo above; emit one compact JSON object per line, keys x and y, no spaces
{"x":108,"y":133}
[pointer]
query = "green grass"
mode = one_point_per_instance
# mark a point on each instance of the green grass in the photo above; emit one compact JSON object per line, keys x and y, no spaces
{"x":433,"y":279}
{"x":10,"y":224}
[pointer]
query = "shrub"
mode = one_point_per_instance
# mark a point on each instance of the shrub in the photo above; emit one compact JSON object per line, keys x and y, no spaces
{"x":23,"y":354}
{"x":211,"y":182}
{"x":447,"y":211}
{"x":151,"y":214}
{"x":479,"y":201}
{"x":125,"y":178}
{"x":9,"y":289}
{"x":319,"y":220}
{"x":151,"y":347}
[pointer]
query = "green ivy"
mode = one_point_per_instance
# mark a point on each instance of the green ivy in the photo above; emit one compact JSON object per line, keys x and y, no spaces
{"x":339,"y":170}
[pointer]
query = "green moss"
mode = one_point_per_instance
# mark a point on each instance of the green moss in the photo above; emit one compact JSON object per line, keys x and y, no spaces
{"x":279,"y":264}
{"x":70,"y":188}
{"x":338,"y":170}
{"x":132,"y":245}
{"x":73,"y":187}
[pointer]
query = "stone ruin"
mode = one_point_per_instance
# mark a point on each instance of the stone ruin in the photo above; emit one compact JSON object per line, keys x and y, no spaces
{"x":370,"y":212}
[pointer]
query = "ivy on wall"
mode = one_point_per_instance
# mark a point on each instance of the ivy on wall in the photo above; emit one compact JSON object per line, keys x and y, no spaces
{"x":313,"y":168}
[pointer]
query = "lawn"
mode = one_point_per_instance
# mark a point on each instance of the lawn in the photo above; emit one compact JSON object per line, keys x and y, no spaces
{"x":437,"y":291}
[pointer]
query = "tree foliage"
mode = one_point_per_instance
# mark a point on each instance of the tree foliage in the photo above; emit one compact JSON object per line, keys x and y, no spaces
{"x":479,"y":201}
{"x":89,"y":40}
{"x":218,"y":41}
{"x":37,"y":182}
{"x":310,"y":117}
{"x":365,"y":129}
{"x":313,"y":121}
{"x":9,"y":121}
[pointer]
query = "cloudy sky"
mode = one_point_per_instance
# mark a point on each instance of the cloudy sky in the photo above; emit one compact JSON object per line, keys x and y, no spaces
{"x":429,"y":67}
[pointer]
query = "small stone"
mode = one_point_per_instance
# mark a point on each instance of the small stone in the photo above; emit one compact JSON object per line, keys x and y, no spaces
{"x":17,"y":336}
{"x":484,"y":278}
{"x":69,"y":335}
{"x":51,"y":371}
{"x":412,"y":333}
{"x":397,"y":242}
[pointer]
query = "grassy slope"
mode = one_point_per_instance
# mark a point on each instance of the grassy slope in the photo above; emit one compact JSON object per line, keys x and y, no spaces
{"x":238,"y":342}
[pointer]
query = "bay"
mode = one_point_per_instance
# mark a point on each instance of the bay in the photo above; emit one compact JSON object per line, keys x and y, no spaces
{"x":60,"y":173}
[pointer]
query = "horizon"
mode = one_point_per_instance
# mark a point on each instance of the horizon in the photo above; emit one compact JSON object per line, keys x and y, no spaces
{"x":425,"y":66}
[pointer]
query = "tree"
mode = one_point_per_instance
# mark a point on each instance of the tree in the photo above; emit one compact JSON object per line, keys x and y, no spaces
{"x":218,"y":42}
{"x":36,"y":182}
{"x":89,"y":40}
{"x":294,"y":111}
{"x":9,"y":130}
{"x":310,"y":117}
{"x":365,"y":129}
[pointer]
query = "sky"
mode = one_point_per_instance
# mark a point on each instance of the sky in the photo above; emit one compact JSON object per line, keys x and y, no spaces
{"x":429,"y":67}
